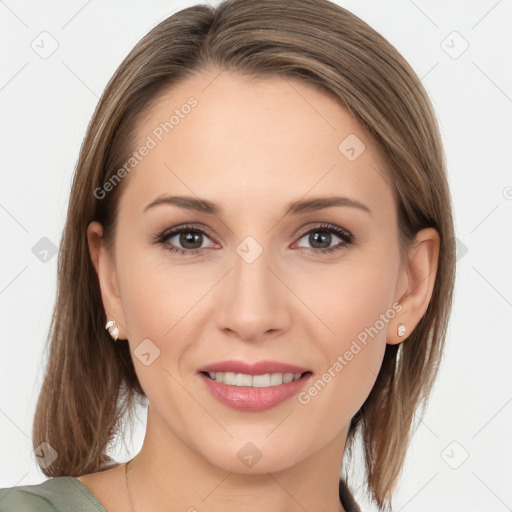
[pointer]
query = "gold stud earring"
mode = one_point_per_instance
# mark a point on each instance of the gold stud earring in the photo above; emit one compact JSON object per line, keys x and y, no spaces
{"x":115,"y":331}
{"x":400,"y":330}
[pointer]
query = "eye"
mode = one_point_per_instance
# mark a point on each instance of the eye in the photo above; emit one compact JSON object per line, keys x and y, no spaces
{"x":188,"y":240}
{"x":184,"y":240}
{"x":321,"y":237}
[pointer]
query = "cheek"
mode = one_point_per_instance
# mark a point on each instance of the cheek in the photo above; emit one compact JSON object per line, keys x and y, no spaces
{"x":347,"y":297}
{"x":155,"y":292}
{"x":352,"y":358}
{"x":356,"y":306}
{"x":157,"y":307}
{"x":162,"y":302}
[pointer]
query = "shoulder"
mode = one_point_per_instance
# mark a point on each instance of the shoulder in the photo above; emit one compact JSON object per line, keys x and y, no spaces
{"x":59,"y":494}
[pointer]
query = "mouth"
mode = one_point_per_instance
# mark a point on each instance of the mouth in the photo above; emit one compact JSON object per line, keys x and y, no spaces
{"x":254,"y":381}
{"x":253,"y":386}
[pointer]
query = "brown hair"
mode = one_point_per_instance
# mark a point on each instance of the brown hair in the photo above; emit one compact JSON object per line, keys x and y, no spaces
{"x":90,"y":383}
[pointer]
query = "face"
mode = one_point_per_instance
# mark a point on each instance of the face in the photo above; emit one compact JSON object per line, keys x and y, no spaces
{"x":255,"y":281}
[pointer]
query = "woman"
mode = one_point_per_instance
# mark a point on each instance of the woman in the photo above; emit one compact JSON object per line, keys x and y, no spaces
{"x":259,"y":246}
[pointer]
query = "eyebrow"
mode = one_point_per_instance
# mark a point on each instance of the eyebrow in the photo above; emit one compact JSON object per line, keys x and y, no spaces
{"x":293,"y":208}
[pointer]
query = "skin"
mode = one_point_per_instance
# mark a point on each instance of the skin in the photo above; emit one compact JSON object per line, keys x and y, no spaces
{"x":252,"y":147}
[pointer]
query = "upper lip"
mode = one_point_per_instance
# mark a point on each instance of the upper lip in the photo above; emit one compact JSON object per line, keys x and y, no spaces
{"x":257,"y":368}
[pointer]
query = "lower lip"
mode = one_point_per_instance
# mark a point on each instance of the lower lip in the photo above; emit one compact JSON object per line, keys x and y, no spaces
{"x":247,"y":398}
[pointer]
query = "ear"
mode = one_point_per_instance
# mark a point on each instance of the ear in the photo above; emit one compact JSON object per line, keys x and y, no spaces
{"x":416,"y":283}
{"x":104,"y":265}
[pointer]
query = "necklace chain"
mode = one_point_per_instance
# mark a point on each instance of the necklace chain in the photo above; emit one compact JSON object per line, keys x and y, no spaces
{"x":127,"y":486}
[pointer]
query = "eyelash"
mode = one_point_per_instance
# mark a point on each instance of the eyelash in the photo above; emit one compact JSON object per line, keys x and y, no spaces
{"x":348,"y":238}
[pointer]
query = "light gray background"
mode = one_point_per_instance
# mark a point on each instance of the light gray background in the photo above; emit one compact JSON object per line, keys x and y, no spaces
{"x":460,"y":455}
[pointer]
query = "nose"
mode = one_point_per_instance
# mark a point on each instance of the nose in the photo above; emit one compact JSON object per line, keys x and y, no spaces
{"x":252,"y":302}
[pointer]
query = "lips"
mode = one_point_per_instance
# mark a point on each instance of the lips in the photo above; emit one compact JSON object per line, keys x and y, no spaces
{"x":258,"y":368}
{"x":247,"y":398}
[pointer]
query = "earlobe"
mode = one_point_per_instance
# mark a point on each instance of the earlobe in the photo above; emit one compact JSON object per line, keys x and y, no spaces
{"x":416,"y":284}
{"x":107,"y":278}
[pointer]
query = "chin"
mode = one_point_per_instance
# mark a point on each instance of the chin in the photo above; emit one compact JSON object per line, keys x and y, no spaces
{"x":259,"y":456}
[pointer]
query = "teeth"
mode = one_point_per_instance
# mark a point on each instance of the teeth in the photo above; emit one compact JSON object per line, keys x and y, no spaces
{"x":255,"y":381}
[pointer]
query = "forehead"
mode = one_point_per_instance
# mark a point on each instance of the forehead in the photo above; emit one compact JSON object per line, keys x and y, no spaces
{"x":223,"y":134}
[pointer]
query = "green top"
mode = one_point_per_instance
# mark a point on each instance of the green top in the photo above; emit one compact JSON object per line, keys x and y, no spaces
{"x":66,"y":493}
{"x":59,"y":494}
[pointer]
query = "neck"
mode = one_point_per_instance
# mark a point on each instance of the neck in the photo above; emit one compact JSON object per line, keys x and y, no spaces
{"x":168,"y":473}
